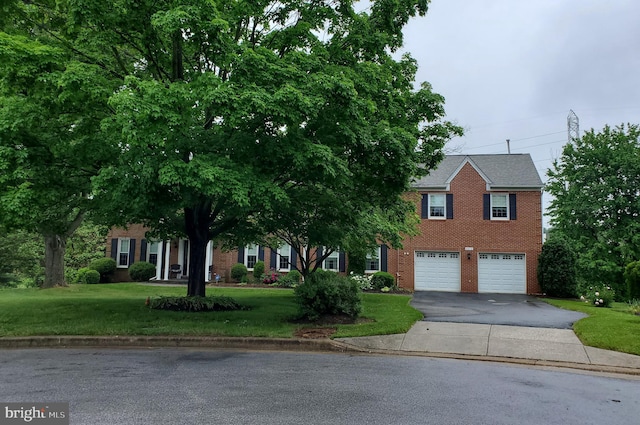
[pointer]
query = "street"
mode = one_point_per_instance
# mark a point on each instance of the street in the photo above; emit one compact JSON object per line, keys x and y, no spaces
{"x":193,"y":386}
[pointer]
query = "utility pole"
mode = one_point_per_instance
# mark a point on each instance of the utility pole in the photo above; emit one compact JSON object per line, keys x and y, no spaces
{"x":573,"y":126}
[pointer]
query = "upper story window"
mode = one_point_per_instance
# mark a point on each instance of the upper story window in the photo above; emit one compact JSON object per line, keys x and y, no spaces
{"x":123,"y":252}
{"x":500,"y":206}
{"x":437,"y":205}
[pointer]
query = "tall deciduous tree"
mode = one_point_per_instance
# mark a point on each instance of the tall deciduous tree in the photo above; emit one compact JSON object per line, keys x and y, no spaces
{"x":51,"y":104}
{"x":596,"y":204}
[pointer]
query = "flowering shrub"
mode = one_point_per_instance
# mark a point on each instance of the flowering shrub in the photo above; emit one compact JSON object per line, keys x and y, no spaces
{"x":271,"y":277}
{"x":599,"y":296}
{"x":634,"y":306}
{"x":362,"y":281}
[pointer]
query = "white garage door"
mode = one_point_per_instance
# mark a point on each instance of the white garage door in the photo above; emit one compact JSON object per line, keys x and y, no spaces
{"x":437,"y":271}
{"x":502,"y":273}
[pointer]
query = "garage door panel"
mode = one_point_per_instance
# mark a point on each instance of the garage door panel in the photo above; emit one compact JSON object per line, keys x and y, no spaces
{"x":437,"y":271}
{"x":502,"y":273}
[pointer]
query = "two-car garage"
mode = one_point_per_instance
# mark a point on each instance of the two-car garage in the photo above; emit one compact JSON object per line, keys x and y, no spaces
{"x":496,"y":273}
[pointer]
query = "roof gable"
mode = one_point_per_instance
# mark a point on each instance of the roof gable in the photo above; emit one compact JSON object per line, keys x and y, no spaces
{"x":500,"y":172}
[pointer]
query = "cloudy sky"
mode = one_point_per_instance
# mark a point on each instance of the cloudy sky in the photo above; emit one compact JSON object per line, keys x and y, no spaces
{"x":512,"y":69}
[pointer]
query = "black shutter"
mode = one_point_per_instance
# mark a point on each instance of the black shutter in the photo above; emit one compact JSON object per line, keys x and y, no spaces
{"x":449,"y":206}
{"x":261,"y":253}
{"x":425,"y":206}
{"x":132,"y":251}
{"x":114,"y":248}
{"x":241,"y":254}
{"x":294,"y":259}
{"x":143,"y":250}
{"x":319,"y":252}
{"x":274,"y":259}
{"x":486,"y":206}
{"x":512,"y":206}
{"x":342,"y":263}
{"x":383,"y":258}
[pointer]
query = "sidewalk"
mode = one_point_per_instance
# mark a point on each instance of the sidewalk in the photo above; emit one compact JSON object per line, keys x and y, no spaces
{"x":516,"y":344}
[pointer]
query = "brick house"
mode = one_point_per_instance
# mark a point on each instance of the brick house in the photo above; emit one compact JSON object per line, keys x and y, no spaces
{"x":480,"y":231}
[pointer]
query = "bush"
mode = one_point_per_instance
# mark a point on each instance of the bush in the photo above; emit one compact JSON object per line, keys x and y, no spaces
{"x":632,"y":278}
{"x":599,"y":296}
{"x":239,"y":272}
{"x":381,"y":280}
{"x":104,"y":266}
{"x":289,"y":280}
{"x":142,"y":271}
{"x":363,"y":281}
{"x":87,"y":275}
{"x":195,"y":304}
{"x":9,"y":280}
{"x":270,"y":278}
{"x":258,"y":269}
{"x":557,"y":269}
{"x":326,"y":293}
{"x":634,"y":306}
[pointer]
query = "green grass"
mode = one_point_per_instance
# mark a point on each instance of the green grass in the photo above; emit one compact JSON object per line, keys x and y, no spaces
{"x":614,"y":328}
{"x":118,"y":309}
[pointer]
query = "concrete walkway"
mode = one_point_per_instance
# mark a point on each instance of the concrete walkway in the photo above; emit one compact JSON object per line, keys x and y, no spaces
{"x":517,"y":344}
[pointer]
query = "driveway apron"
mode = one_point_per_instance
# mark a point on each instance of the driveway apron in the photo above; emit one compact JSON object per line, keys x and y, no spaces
{"x":492,"y":309}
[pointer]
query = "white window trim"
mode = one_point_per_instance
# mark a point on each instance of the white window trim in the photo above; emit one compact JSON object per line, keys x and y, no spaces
{"x":506,"y":195}
{"x":279,"y":257}
{"x":369,"y":258}
{"x":158,"y":253}
{"x":336,"y":255}
{"x":246,"y":256}
{"x":436,"y":217}
{"x":118,"y":252}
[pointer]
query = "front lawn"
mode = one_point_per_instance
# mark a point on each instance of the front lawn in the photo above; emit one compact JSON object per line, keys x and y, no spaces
{"x":612,"y":328}
{"x":119,"y":309}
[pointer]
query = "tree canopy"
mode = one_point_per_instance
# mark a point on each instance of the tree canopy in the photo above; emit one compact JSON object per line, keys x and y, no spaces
{"x":225,"y":113}
{"x":596,"y":203}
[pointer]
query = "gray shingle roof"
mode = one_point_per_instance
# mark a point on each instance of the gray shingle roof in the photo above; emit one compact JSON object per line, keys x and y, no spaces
{"x":500,"y":171}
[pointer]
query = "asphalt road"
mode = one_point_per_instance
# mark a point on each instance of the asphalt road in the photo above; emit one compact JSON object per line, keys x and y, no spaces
{"x":186,"y":386}
{"x":492,"y":309}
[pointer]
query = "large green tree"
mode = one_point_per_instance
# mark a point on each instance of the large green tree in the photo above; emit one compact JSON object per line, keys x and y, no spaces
{"x":225,"y":111}
{"x":51,"y":103}
{"x":596,"y":201}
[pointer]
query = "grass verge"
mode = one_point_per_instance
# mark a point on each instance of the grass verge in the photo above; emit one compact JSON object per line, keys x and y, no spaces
{"x":119,"y":309}
{"x":614,"y":328}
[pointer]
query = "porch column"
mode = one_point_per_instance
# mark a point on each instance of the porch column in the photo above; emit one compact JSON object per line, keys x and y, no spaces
{"x":207,"y":264}
{"x":166,"y":260}
{"x":159,"y":261}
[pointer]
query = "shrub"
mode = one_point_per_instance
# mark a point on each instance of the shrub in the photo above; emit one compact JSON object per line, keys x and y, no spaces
{"x":258,"y":269}
{"x":270,"y":278}
{"x":634,"y":306}
{"x":326,"y":293}
{"x":142,"y":271}
{"x":9,"y":280}
{"x":290,"y":280}
{"x":195,"y":304}
{"x":381,"y":280}
{"x":87,"y":275}
{"x":104,"y":266}
{"x":239,"y":272}
{"x":599,"y":296}
{"x":363,"y":281}
{"x":557,"y":268}
{"x":632,"y":278}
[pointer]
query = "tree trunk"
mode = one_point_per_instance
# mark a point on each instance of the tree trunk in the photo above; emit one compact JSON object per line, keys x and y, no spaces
{"x":54,"y":248}
{"x":197,"y":226}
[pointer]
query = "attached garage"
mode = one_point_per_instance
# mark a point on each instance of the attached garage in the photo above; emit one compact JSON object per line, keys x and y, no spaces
{"x":437,"y":271}
{"x":502,"y":273}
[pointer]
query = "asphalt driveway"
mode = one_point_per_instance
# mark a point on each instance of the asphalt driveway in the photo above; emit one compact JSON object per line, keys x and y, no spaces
{"x":492,"y":309}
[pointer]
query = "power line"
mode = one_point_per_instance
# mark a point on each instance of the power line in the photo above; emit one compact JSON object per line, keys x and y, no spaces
{"x":517,"y":140}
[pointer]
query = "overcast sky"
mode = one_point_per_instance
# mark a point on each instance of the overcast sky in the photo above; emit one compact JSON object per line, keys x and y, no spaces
{"x":512,"y":69}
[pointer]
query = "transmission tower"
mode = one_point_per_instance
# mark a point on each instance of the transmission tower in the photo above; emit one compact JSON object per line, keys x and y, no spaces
{"x":573,"y":126}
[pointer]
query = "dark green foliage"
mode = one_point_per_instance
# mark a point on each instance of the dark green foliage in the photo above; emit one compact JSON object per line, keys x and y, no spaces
{"x":21,"y":256}
{"x":104,"y":266}
{"x":258,"y":269}
{"x":327,"y":293}
{"x":239,"y":272}
{"x":141,"y":271}
{"x":289,"y":280}
{"x":294,"y":276}
{"x":92,"y":277}
{"x":8,"y":280}
{"x":196,"y":304}
{"x":357,"y":262}
{"x":632,"y":278}
{"x":381,"y":280}
{"x":557,"y":268}
{"x":88,"y":243}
